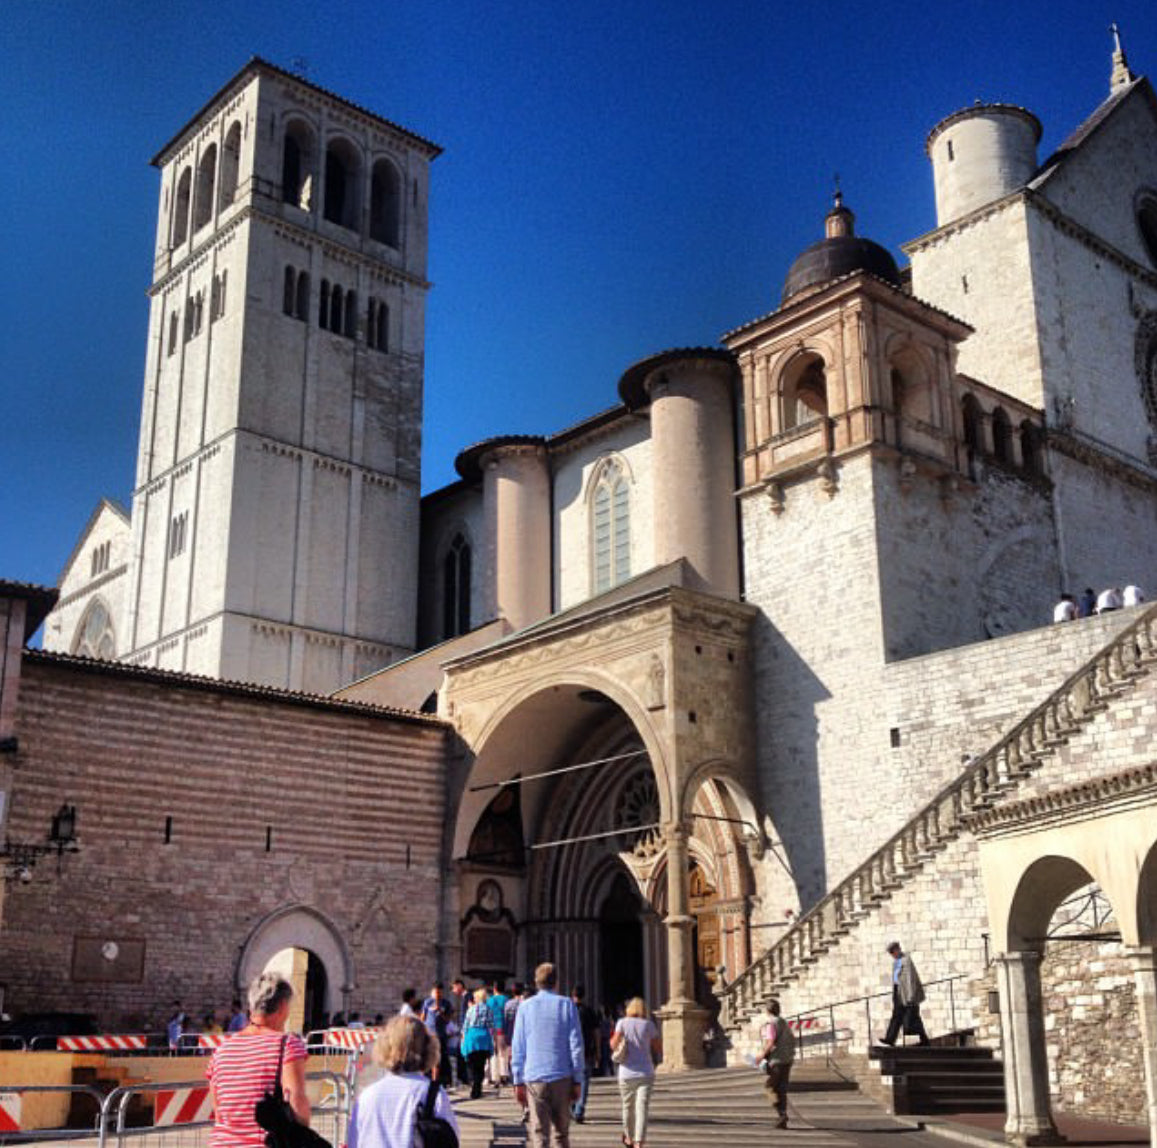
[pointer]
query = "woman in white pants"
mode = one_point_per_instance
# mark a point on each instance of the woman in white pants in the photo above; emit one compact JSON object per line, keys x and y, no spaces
{"x":636,"y":1068}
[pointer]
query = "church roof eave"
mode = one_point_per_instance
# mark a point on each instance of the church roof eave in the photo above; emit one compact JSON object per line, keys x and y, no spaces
{"x":257,"y":64}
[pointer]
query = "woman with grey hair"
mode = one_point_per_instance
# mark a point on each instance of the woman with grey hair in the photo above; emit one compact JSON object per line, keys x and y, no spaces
{"x":245,"y":1067}
{"x":384,"y":1115}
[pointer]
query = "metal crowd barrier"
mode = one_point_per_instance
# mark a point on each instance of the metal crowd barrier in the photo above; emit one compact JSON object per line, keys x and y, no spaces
{"x":11,"y":1109}
{"x":184,"y":1109}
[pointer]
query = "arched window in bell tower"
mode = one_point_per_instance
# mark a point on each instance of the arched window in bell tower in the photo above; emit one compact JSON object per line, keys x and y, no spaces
{"x":206,"y":180}
{"x":804,"y":391}
{"x":181,"y":207}
{"x":342,"y":184}
{"x":973,"y":419}
{"x":385,"y":203}
{"x":610,"y":508}
{"x":297,"y":165}
{"x":1001,"y":436}
{"x":456,"y":588}
{"x":230,"y":165}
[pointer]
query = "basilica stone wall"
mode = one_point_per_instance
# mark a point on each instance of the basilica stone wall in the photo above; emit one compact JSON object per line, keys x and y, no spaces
{"x":277,"y":803}
{"x":978,"y":269}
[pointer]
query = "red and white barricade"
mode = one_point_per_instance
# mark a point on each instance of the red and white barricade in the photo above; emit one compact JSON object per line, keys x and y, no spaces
{"x":183,"y":1106}
{"x":211,"y":1039}
{"x":9,"y":1111}
{"x":100,"y":1043}
{"x":803,"y":1022}
{"x":351,"y":1038}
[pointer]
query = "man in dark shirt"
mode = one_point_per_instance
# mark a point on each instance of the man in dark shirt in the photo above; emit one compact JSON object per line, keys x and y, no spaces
{"x":589,"y":1024}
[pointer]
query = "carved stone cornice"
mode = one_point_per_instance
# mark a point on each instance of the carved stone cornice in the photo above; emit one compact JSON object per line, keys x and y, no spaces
{"x":1073,"y":803}
{"x":1099,"y":458}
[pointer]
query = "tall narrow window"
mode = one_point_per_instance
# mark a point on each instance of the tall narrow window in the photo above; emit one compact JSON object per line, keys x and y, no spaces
{"x":181,"y":207}
{"x":289,"y":292}
{"x":335,"y":305}
{"x":456,"y":588}
{"x":177,"y":528}
{"x":610,"y":529}
{"x":303,"y":295}
{"x":230,"y":163}
{"x":206,"y":177}
{"x":323,"y":306}
{"x":174,"y":330}
{"x":377,"y":325}
{"x":198,"y":311}
{"x":350,"y":320}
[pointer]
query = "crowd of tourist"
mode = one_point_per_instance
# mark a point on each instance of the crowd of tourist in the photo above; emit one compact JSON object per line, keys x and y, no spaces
{"x":544,"y":1044}
{"x":1069,"y":608}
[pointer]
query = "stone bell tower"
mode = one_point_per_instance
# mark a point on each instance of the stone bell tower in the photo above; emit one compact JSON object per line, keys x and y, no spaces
{"x":275,"y":515}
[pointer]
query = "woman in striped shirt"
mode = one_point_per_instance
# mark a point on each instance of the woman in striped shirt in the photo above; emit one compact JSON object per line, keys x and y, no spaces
{"x":244,"y":1068}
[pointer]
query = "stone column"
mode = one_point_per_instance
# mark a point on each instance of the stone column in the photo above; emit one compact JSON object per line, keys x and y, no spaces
{"x":683,"y":1021}
{"x":1144,"y":962}
{"x":1026,"y":1080}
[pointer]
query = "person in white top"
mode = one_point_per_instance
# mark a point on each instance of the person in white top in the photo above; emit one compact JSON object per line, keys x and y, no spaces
{"x":1134,"y":596}
{"x":1108,"y":600}
{"x":636,"y":1068}
{"x":1066,"y":609}
{"x":385,"y":1114}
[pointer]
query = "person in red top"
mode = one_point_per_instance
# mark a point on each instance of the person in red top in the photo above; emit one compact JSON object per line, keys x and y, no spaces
{"x":244,"y":1068}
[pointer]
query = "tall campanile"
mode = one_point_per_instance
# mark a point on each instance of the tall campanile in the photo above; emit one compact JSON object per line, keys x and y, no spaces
{"x":275,"y":514}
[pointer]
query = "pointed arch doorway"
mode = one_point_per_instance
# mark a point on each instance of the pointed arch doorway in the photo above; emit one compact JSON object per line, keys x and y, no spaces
{"x":621,"y":961}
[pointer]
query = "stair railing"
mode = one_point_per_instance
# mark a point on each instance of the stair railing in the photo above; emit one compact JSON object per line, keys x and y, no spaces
{"x":1001,"y":768}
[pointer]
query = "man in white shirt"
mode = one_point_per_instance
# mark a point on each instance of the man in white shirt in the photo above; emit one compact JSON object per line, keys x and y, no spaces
{"x":1108,"y":600}
{"x":1134,"y":596}
{"x":1066,"y":609}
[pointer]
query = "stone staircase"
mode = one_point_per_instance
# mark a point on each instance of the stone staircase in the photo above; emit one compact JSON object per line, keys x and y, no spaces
{"x":688,"y":1110}
{"x":935,"y":1080}
{"x":1106,"y":676}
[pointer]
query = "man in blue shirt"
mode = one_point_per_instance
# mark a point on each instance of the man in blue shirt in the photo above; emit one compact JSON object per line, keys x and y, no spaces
{"x":547,"y":1059}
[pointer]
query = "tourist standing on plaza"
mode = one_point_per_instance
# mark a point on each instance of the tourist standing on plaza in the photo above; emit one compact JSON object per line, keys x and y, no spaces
{"x":778,"y":1055}
{"x":459,"y":1002}
{"x":176,"y":1024}
{"x":907,"y":994}
{"x":547,"y":1059}
{"x":636,"y":1069}
{"x":500,"y":1064}
{"x":238,"y":1018}
{"x":589,"y":1027}
{"x":384,"y":1115}
{"x":478,"y":1040}
{"x":409,"y":999}
{"x":435,"y":1016}
{"x":245,"y":1067}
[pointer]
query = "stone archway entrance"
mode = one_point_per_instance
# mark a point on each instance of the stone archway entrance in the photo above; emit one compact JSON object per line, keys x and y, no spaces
{"x":303,"y":946}
{"x":617,"y":725}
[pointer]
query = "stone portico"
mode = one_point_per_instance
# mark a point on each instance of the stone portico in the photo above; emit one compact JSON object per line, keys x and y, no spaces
{"x":658,"y":674}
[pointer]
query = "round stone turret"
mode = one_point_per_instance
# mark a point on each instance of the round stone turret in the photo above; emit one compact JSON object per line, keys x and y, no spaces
{"x":980,"y":154}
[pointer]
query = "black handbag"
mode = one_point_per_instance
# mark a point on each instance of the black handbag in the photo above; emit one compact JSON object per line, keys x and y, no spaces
{"x":273,"y":1113}
{"x":434,"y":1131}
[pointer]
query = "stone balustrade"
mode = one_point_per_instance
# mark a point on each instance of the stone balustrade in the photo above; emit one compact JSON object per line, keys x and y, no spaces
{"x":979,"y":785}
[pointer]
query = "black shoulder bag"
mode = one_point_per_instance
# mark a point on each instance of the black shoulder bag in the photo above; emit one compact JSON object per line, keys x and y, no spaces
{"x":273,"y":1113}
{"x":435,"y":1132}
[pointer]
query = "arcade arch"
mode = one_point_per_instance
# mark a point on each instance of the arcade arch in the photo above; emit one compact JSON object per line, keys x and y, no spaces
{"x":1034,"y":856}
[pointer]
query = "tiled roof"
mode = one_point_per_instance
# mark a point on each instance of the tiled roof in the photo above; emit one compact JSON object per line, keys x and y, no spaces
{"x":216,"y":685}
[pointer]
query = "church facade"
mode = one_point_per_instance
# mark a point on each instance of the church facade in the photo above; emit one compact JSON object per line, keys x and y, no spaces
{"x":700,"y":655}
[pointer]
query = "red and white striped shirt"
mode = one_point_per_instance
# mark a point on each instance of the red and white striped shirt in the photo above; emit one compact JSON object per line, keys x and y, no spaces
{"x":240,"y":1072}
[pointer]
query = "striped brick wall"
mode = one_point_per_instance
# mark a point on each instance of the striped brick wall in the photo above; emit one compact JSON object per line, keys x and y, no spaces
{"x":352,"y":799}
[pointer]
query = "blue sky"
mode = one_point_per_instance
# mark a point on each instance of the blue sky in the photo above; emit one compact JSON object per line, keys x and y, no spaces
{"x":618,"y":178}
